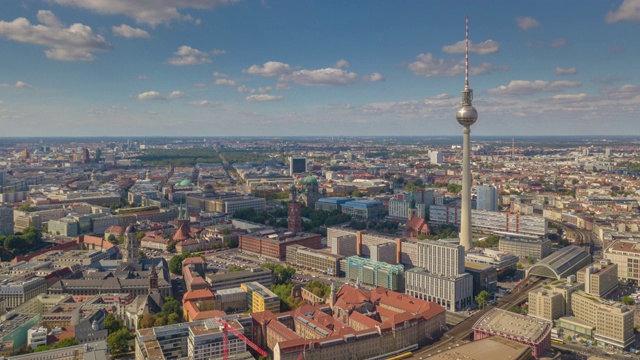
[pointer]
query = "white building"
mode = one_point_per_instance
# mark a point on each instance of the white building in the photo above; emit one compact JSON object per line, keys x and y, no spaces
{"x":37,"y":336}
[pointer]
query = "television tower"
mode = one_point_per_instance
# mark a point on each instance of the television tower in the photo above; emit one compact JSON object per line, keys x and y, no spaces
{"x":466,"y":116}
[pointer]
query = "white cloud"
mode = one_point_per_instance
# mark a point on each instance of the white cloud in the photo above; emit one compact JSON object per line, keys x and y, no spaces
{"x":263,"y":97}
{"x":320,"y":77}
{"x":48,"y":18}
{"x":374,"y":77}
{"x":218,"y":74}
{"x":218,"y":52}
{"x":226,"y":82}
{"x":526,"y":23}
{"x":176,"y":95}
{"x":245,"y":89}
{"x":483,"y":48}
{"x":202,"y":103}
{"x":75,"y":43}
{"x":22,"y":84}
{"x":186,"y":55}
{"x":152,"y":12}
{"x":154,"y":95}
{"x":525,"y":87}
{"x":269,"y":69}
{"x":341,"y":64}
{"x":428,"y":66}
{"x":150,"y":95}
{"x":629,"y":10}
{"x":568,"y":97}
{"x":559,"y":42}
{"x":142,"y":77}
{"x":566,"y":71}
{"x":129,"y":32}
{"x":626,"y":91}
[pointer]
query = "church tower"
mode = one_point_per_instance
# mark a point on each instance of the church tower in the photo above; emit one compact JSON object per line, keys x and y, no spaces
{"x":130,"y":248}
{"x":153,"y":278}
{"x":412,"y":206}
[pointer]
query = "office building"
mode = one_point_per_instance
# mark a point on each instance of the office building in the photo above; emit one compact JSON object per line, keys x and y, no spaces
{"x":197,"y":340}
{"x":502,"y":261}
{"x":440,"y":275}
{"x":235,"y":278}
{"x":546,"y":304}
{"x":18,"y":292}
{"x":37,"y":336}
{"x":374,"y":273}
{"x":625,"y":254}
{"x":310,"y":259}
{"x":297,"y":165}
{"x":364,"y":209}
{"x":6,"y":220}
{"x":525,"y":247}
{"x":400,"y":209}
{"x":613,"y":321}
{"x":487,"y":198}
{"x":490,"y":221}
{"x":485,"y":277}
{"x":259,"y":298}
{"x":331,"y":203}
{"x":273,"y":245}
{"x":599,"y":278}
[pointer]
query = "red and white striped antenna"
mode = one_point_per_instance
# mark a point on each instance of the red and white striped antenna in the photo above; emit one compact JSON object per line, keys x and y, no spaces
{"x":466,"y":57}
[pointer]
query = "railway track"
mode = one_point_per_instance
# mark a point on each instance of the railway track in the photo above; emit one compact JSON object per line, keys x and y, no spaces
{"x":462,"y":331}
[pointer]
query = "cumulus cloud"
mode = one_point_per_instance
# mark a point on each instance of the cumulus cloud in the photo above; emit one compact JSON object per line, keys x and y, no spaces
{"x":341,"y":64}
{"x":559,"y":42}
{"x":202,"y":103}
{"x":626,"y":91}
{"x":129,"y":32}
{"x":526,"y":23}
{"x":75,"y":43}
{"x":629,"y":10}
{"x":154,"y":95}
{"x":226,"y":82}
{"x":269,"y":69}
{"x":186,"y":55}
{"x":218,"y":74}
{"x":22,"y":84}
{"x":152,"y":12}
{"x":525,"y":87}
{"x":246,"y":89}
{"x":48,"y":18}
{"x":568,"y":97}
{"x":483,"y":48}
{"x":320,"y":77}
{"x":374,"y":77}
{"x":218,"y":52}
{"x":428,"y":66}
{"x":263,"y":97}
{"x":566,"y":71}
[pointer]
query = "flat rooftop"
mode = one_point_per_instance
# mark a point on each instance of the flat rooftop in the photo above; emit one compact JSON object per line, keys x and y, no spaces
{"x":512,"y":324}
{"x":490,"y":348}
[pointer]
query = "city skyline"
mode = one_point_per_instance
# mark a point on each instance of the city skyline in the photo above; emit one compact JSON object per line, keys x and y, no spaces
{"x":240,"y":68}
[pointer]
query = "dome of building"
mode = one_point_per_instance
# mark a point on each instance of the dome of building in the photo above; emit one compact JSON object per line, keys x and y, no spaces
{"x":310,"y":180}
{"x":130,"y":229}
{"x":185,"y":183}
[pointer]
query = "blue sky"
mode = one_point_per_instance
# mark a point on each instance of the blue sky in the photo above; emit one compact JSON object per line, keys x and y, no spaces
{"x":296,"y":67}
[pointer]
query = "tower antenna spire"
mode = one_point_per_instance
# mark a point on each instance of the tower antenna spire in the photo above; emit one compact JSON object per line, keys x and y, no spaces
{"x":466,"y":56}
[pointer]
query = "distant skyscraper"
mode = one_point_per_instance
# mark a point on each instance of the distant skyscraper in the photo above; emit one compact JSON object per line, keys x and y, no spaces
{"x":487,"y":198}
{"x":436,"y":157}
{"x":297,"y":165}
{"x":6,"y":220}
{"x":466,"y":116}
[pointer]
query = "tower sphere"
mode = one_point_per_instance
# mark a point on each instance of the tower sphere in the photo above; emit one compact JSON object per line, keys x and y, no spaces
{"x":466,"y":115}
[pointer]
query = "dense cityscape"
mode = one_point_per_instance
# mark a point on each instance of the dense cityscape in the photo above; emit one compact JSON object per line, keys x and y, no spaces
{"x":275,"y":207}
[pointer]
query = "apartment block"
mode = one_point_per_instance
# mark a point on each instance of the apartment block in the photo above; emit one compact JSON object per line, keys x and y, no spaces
{"x":599,"y":278}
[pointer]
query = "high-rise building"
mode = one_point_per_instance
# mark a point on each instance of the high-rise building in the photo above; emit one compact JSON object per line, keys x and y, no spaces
{"x":297,"y":165}
{"x":130,"y":248}
{"x":6,"y":220}
{"x":487,"y":198}
{"x":295,"y":221}
{"x":466,"y":116}
{"x":440,"y":276}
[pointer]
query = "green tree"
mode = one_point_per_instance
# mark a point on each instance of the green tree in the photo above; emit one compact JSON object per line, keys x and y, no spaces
{"x":482,"y":298}
{"x":233,"y":268}
{"x":140,"y":235}
{"x":141,"y":254}
{"x":161,"y":320}
{"x":27,"y":208}
{"x":112,"y":238}
{"x":627,"y":300}
{"x":226,"y":231}
{"x":171,"y":306}
{"x":65,"y":343}
{"x":146,"y":321}
{"x":281,"y":274}
{"x":171,"y":246}
{"x":118,"y":341}
{"x":112,"y":324}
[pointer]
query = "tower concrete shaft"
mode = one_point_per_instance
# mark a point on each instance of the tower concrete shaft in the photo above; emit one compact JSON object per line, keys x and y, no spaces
{"x":465,"y":220}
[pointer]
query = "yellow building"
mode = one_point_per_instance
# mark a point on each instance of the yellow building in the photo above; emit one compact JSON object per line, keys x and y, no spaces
{"x":259,"y":298}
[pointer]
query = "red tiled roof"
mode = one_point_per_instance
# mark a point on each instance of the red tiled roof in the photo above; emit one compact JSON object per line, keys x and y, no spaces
{"x":200,"y":294}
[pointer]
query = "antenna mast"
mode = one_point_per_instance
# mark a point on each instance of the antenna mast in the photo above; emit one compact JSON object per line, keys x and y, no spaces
{"x":466,"y":57}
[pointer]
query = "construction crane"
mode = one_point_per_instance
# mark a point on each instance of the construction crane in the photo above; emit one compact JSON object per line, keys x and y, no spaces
{"x":225,"y":328}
